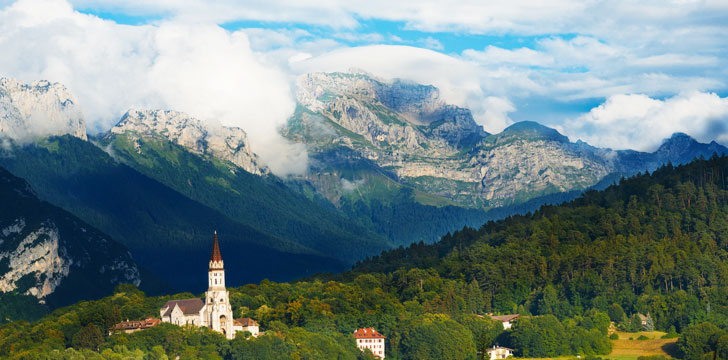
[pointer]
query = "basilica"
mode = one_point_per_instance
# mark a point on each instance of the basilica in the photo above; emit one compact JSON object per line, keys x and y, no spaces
{"x":215,"y":311}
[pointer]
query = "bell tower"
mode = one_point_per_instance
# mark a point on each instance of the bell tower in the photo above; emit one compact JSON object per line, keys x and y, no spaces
{"x":218,"y":313}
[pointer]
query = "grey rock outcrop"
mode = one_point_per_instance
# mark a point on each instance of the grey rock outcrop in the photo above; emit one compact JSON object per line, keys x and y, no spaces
{"x":44,"y":249}
{"x":226,"y":143}
{"x":39,"y":109}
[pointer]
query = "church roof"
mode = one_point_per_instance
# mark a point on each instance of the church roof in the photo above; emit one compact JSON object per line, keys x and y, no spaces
{"x":367,"y":333}
{"x":188,"y":306}
{"x":215,"y":256}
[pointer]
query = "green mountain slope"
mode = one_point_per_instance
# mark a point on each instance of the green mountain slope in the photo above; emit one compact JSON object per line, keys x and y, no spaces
{"x":167,"y":232}
{"x":262,"y":202}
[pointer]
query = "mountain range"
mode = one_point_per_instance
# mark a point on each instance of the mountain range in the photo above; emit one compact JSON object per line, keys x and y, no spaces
{"x":391,"y":164}
{"x":412,"y":138}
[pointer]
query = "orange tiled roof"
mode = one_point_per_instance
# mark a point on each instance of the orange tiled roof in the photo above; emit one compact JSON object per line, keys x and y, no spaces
{"x":245,"y":322}
{"x":504,"y":318}
{"x":140,"y":324}
{"x":367,"y":333}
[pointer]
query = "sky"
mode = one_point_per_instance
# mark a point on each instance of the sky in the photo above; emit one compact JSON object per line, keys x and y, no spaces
{"x":619,"y":74}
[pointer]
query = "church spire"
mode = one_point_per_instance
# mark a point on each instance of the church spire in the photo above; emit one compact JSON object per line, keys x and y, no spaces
{"x":215,"y":256}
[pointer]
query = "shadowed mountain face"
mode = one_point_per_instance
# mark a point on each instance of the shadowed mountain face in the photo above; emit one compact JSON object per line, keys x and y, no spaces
{"x":413,"y":139}
{"x":52,"y":255}
{"x":166,"y":232}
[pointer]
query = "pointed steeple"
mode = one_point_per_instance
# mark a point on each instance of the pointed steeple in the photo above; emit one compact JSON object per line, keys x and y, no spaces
{"x":215,"y":256}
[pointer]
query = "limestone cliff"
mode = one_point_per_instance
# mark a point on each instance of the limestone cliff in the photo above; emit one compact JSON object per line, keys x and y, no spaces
{"x":226,"y":143}
{"x":48,"y":253}
{"x":39,"y":109}
{"x":417,"y":140}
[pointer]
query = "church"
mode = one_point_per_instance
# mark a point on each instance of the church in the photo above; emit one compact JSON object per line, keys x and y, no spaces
{"x":215,"y":312}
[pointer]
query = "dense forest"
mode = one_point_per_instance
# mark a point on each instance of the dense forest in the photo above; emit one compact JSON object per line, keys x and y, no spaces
{"x":652,"y":245}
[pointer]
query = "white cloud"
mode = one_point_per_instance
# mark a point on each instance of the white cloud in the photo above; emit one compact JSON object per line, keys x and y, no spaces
{"x":493,"y":55}
{"x":431,"y":43}
{"x":636,"y":121}
{"x":496,"y":112}
{"x":199,"y":69}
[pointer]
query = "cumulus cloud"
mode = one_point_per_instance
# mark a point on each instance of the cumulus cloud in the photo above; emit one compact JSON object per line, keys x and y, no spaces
{"x":496,"y":111}
{"x":636,"y":121}
{"x":200,"y":69}
{"x":622,"y":18}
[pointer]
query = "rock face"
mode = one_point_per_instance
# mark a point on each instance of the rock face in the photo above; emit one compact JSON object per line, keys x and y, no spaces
{"x":419,"y":141}
{"x":226,"y":143}
{"x":45,"y":251}
{"x":39,"y":109}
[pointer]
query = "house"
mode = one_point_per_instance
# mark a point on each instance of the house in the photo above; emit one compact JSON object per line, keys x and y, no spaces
{"x":246,"y":324}
{"x":507,"y":320}
{"x":133,"y":326}
{"x":215,"y":311}
{"x":499,"y":352}
{"x":368,"y":338}
{"x":643,"y":319}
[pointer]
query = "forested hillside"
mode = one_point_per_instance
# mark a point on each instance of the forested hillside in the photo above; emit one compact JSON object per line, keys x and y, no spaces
{"x":652,"y":244}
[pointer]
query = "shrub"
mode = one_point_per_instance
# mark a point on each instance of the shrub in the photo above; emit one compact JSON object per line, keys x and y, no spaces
{"x":642,"y":337}
{"x":614,"y":336}
{"x":652,"y":357}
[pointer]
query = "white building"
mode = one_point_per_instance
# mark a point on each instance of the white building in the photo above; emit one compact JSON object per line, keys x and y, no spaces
{"x":368,"y":338}
{"x":499,"y":352}
{"x":246,"y":324}
{"x":215,"y":312}
{"x":507,"y":320}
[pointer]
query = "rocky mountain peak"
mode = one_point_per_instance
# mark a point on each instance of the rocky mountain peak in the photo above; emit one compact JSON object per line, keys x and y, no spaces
{"x":681,"y":147}
{"x":528,"y":130}
{"x":390,"y":114}
{"x":226,"y":143}
{"x":38,"y":109}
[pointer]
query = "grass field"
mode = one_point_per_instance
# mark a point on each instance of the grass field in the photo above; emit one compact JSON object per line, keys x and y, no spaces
{"x":625,"y":349}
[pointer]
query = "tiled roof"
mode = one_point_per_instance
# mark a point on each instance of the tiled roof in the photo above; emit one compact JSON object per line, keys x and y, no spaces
{"x":504,"y":318}
{"x":215,"y":256}
{"x":188,"y":306}
{"x":245,"y":322}
{"x":140,"y":324}
{"x":494,"y":348}
{"x":367,"y":333}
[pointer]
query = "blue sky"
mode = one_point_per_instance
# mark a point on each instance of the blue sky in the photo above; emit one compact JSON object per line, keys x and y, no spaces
{"x":619,"y":73}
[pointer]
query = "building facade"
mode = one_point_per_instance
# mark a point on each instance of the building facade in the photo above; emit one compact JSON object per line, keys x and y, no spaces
{"x":215,"y":312}
{"x":499,"y":352}
{"x":368,"y":338}
{"x":247,"y":324}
